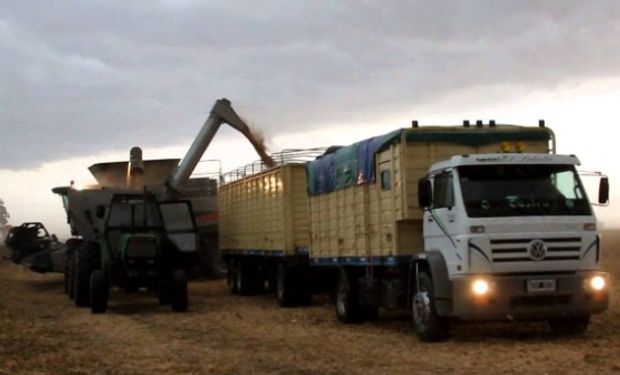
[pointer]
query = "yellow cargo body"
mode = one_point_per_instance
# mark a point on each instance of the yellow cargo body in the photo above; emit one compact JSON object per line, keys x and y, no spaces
{"x":265,"y":213}
{"x":366,"y":223}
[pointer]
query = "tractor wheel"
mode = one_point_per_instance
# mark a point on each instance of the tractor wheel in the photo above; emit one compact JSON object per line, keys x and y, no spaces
{"x":99,"y":292}
{"x":69,"y":253}
{"x":163,"y":292}
{"x":88,"y":259}
{"x":71,"y":261}
{"x":428,"y":325}
{"x":573,"y":325}
{"x":348,"y":309}
{"x":179,"y":291}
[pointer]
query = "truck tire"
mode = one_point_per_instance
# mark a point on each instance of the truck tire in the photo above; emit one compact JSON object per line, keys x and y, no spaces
{"x":178,"y":288}
{"x":285,"y":287}
{"x":231,"y":272}
{"x":99,"y":292}
{"x":428,"y":325}
{"x":348,"y":309}
{"x":88,"y":259}
{"x":573,"y":325}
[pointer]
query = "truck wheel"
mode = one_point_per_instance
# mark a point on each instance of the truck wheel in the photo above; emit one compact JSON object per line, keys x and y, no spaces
{"x":231,"y":272}
{"x":88,"y":259}
{"x":428,"y":325}
{"x":179,"y":291}
{"x":348,"y":309}
{"x":99,"y":292}
{"x":285,"y":288}
{"x":574,"y":325}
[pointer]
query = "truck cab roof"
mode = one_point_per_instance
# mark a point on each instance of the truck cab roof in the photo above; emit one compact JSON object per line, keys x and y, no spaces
{"x":504,"y":158}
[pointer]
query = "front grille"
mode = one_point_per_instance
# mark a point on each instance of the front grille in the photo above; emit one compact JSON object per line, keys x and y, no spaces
{"x":516,"y":250}
{"x":141,"y":249}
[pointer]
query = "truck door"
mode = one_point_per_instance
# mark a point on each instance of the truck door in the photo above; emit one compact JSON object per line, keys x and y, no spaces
{"x":179,"y":225}
{"x":439,"y":220}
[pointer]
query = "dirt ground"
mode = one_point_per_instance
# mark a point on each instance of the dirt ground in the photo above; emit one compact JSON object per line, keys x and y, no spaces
{"x":42,"y":333}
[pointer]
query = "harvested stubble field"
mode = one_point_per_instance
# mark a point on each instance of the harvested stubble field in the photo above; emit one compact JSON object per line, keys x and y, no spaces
{"x":42,"y":333}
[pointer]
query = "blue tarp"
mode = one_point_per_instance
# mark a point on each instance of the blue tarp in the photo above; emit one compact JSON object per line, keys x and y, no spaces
{"x":348,"y":166}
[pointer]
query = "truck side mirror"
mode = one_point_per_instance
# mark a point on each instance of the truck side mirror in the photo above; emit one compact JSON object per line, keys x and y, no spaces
{"x":425,"y":193}
{"x":603,"y":190}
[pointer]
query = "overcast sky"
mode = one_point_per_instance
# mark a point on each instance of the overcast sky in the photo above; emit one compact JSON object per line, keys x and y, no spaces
{"x":84,"y":81}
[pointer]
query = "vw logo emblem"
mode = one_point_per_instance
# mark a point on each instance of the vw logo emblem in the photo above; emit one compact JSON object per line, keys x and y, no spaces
{"x":537,"y":249}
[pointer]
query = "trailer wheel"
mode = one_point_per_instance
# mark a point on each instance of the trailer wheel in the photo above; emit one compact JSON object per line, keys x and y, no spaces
{"x":574,"y":325}
{"x":348,"y":309}
{"x":285,"y":289}
{"x":179,"y":291}
{"x":428,"y":325}
{"x":99,"y":292}
{"x":87,"y":259}
{"x":231,"y":272}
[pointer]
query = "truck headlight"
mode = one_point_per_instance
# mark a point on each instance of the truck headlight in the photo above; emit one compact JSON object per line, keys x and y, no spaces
{"x":597,"y":283}
{"x":480,"y":287}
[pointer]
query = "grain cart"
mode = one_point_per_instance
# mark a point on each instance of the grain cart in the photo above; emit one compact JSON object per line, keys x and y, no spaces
{"x":455,"y":223}
{"x":137,"y":233}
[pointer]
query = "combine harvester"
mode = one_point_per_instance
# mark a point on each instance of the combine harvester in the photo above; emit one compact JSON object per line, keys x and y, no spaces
{"x":133,"y":230}
{"x":454,"y":223}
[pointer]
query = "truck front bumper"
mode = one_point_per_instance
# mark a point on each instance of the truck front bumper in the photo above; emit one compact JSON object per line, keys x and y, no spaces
{"x":515,"y":298}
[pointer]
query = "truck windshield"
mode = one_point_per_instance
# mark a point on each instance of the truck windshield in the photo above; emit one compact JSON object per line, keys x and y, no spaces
{"x":522,"y":190}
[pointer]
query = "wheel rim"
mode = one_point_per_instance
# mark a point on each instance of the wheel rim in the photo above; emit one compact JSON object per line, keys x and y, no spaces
{"x":421,"y":308}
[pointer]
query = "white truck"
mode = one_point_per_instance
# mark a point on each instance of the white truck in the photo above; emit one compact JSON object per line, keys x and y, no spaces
{"x":508,"y":236}
{"x":452,"y":222}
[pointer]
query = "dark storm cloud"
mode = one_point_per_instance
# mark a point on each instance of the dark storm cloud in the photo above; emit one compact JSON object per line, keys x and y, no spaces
{"x":85,"y":77}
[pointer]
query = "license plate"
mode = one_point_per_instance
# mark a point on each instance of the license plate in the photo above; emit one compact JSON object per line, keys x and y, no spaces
{"x":547,"y":285}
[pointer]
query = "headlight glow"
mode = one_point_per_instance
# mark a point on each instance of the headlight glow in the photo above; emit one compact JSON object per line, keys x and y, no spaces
{"x":480,"y":287}
{"x":597,"y":283}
